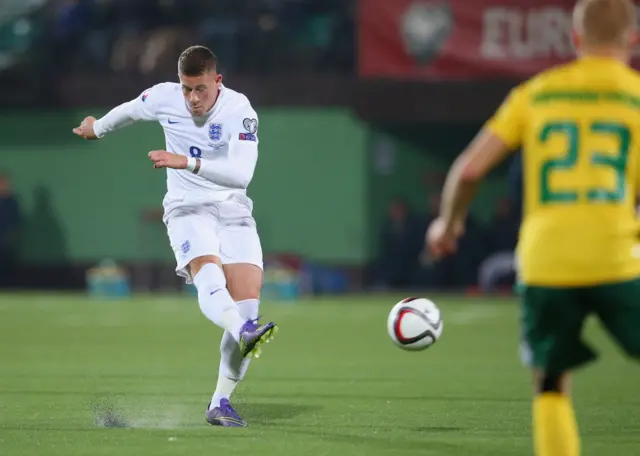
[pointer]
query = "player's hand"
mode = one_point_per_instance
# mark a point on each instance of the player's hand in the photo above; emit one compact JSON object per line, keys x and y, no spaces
{"x":442,"y":240}
{"x":85,"y":130}
{"x":164,"y":159}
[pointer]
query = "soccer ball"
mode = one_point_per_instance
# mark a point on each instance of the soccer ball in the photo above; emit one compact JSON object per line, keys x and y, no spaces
{"x":414,"y":324}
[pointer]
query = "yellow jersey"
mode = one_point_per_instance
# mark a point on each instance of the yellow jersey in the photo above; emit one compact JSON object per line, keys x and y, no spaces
{"x":578,"y":126}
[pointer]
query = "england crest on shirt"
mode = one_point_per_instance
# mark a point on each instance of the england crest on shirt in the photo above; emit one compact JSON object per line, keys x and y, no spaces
{"x":215,"y":132}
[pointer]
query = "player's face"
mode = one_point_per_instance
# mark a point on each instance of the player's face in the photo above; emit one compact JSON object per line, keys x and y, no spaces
{"x":201,"y":92}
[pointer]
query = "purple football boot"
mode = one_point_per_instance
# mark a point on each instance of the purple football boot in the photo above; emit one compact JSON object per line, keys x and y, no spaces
{"x":253,"y":335}
{"x":224,"y":415}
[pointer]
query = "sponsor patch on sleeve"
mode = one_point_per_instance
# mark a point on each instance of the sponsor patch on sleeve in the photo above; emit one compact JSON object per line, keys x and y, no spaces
{"x":247,"y":137}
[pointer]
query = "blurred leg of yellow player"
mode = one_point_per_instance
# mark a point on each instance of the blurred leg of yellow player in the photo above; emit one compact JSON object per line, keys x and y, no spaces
{"x":555,"y":429}
{"x":552,"y":322}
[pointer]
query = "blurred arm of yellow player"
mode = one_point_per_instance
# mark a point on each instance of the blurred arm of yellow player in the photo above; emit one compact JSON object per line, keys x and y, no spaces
{"x":500,"y":136}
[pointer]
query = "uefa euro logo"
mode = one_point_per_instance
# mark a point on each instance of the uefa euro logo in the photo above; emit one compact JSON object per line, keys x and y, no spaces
{"x":425,"y":28}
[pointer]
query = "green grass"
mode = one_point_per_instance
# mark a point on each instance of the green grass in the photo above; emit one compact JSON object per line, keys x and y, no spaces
{"x":330,"y":384}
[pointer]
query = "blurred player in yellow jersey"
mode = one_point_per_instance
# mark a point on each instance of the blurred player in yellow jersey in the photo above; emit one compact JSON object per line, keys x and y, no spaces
{"x":579,"y":129}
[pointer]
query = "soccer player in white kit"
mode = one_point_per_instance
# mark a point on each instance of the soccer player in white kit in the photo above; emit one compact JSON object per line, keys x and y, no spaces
{"x":212,"y":149}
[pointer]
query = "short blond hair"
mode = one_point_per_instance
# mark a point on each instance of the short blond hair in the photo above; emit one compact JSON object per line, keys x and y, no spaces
{"x":605,"y":22}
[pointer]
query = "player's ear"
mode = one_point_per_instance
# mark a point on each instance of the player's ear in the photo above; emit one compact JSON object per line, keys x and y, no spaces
{"x":218,"y":78}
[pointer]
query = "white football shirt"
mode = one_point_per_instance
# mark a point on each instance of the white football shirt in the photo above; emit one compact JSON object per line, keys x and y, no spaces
{"x":225,"y":139}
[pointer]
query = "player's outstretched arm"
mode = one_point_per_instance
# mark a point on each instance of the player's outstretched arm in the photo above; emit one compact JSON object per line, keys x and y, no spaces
{"x":118,"y":117}
{"x":127,"y":113}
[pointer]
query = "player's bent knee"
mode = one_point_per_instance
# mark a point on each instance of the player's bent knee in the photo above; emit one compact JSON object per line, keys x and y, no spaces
{"x":244,"y":281}
{"x":197,"y":263}
{"x":244,"y":291}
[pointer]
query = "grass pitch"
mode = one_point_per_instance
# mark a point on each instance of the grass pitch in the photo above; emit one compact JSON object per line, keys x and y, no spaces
{"x":83,"y":377}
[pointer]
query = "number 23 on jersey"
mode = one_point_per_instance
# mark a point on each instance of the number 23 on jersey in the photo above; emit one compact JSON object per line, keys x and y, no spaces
{"x":577,"y":139}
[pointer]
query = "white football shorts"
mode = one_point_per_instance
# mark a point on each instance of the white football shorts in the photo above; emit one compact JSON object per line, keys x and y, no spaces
{"x":226,"y":229}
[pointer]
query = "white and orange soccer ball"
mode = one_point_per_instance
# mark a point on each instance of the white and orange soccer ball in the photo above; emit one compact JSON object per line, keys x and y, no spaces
{"x":415,"y":324}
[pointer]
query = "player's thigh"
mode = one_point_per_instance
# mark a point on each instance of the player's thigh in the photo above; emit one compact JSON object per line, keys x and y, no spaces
{"x":618,"y":307}
{"x":241,"y":255}
{"x":240,"y":251}
{"x":552,"y":321}
{"x":193,"y":235}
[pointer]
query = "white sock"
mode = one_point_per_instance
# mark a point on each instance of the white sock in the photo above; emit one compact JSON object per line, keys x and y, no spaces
{"x":233,"y":366}
{"x":215,"y":301}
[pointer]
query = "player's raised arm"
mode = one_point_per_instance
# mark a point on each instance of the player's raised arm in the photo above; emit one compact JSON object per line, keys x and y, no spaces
{"x":234,"y":171}
{"x":141,"y":108}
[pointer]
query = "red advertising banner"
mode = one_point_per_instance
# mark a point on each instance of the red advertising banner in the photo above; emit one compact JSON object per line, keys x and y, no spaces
{"x":462,"y":39}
